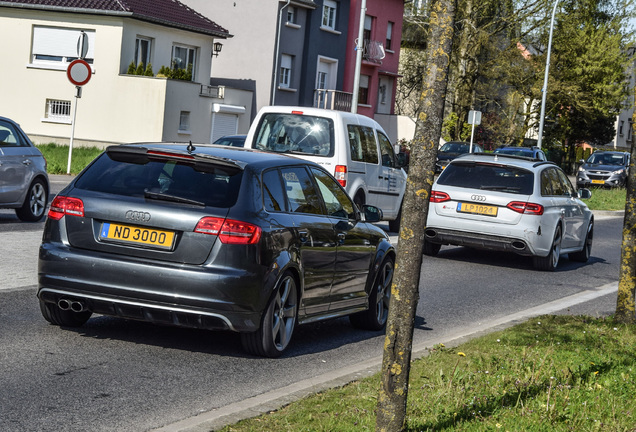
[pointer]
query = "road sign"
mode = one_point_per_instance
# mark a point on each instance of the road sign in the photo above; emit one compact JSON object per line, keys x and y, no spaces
{"x":79,"y":72}
{"x":474,"y":117}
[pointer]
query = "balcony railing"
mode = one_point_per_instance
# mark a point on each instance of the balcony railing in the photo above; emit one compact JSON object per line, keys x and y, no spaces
{"x":212,"y":91}
{"x":332,"y":99}
{"x":373,"y":51}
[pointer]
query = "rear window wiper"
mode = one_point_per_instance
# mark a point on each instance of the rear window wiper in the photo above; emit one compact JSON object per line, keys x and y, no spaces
{"x":496,"y":188}
{"x":172,"y":198}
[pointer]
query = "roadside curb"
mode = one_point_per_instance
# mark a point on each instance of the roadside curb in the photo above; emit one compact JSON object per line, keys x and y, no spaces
{"x":276,"y":399}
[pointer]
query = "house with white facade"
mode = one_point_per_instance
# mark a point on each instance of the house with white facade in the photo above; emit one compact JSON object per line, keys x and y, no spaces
{"x":42,"y":37}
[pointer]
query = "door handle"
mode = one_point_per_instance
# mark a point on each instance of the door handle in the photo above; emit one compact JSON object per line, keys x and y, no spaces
{"x":27,"y":162}
{"x":304,"y":236}
{"x":341,"y":238}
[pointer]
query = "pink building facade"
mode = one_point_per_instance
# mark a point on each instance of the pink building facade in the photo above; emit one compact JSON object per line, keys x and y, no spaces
{"x":381,"y":55}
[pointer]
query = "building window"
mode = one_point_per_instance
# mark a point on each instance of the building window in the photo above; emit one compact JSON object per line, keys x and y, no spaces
{"x":321,"y":82}
{"x":58,"y":46}
{"x":329,"y":14}
{"x":184,"y":57}
{"x":58,"y":110}
{"x":291,"y":14}
{"x":368,"y":21}
{"x":620,"y":128}
{"x":363,"y":90}
{"x":284,"y":79}
{"x":629,"y":131}
{"x":142,"y":51}
{"x":184,"y":121}
{"x":389,"y":35}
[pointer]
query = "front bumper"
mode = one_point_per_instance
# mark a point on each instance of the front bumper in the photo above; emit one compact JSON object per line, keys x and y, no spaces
{"x":609,"y":179}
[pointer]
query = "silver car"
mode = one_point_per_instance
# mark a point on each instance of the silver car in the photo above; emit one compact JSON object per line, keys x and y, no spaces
{"x":512,"y":204}
{"x":24,"y":184}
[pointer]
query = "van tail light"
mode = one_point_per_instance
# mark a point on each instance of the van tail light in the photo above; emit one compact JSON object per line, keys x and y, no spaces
{"x":63,"y":205}
{"x":229,"y":231}
{"x":341,"y":175}
{"x":438,"y":197}
{"x":526,"y":208}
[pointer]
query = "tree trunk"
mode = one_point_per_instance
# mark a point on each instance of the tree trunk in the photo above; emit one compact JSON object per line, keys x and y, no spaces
{"x":625,"y":308}
{"x":391,"y":407}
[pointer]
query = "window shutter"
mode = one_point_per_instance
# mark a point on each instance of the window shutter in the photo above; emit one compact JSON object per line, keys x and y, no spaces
{"x":57,"y":41}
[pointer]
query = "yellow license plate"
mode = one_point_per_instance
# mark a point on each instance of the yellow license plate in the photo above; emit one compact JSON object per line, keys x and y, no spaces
{"x":598,"y":181}
{"x":137,"y":235}
{"x":477,"y":209}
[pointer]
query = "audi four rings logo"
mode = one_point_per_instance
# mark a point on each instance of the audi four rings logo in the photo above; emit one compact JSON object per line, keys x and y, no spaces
{"x":478,"y":198}
{"x":138,"y":216}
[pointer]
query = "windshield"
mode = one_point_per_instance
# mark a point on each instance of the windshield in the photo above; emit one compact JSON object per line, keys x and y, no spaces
{"x":607,"y":159}
{"x":295,"y":133}
{"x":454,"y":148}
{"x":515,"y":152}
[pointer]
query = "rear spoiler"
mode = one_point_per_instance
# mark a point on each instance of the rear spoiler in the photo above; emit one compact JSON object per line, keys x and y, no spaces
{"x":201,"y":162}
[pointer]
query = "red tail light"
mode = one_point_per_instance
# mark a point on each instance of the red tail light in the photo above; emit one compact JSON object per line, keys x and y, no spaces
{"x":526,"y":207}
{"x":62,"y":205}
{"x":438,"y":197}
{"x":229,"y":231}
{"x":341,"y":175}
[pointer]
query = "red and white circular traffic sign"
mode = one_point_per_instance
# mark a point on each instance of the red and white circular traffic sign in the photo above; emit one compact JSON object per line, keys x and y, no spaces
{"x":79,"y":72}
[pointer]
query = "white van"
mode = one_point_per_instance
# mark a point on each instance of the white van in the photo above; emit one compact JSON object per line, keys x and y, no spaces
{"x":353,"y":147}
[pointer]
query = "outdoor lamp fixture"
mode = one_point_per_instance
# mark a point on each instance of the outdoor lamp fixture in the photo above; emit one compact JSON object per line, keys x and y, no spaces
{"x":217,"y":49}
{"x":544,"y":90}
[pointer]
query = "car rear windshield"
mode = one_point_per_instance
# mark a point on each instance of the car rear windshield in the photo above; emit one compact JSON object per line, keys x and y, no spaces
{"x":483,"y":176}
{"x":295,"y":133}
{"x":163,"y":179}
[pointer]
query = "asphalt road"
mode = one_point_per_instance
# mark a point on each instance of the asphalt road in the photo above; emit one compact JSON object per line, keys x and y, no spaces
{"x":122,"y":375}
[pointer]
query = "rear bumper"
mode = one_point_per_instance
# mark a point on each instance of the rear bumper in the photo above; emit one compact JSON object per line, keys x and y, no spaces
{"x":206,"y":297}
{"x":482,"y":241}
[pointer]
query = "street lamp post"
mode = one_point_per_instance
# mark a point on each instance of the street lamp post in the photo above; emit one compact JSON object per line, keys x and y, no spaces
{"x":544,"y":90}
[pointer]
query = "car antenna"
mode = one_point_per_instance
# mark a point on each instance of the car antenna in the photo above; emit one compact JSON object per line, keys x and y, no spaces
{"x":191,"y":148}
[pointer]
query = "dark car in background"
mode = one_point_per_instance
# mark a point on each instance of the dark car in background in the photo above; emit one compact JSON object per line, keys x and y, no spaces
{"x":451,"y":150}
{"x":24,"y":183}
{"x":604,"y":168}
{"x":529,"y":152}
{"x":216,"y":238}
{"x":231,"y":140}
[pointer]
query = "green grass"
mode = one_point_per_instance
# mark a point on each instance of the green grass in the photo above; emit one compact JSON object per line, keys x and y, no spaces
{"x":57,"y":157}
{"x":552,"y":373}
{"x":607,"y":199}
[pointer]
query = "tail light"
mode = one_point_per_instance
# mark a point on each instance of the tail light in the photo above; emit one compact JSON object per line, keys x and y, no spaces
{"x":341,"y":175}
{"x":229,"y":231}
{"x":438,"y":197}
{"x":526,"y":207}
{"x":62,"y":205}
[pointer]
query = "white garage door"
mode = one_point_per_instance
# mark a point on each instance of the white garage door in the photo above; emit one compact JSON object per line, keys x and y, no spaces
{"x":223,"y":124}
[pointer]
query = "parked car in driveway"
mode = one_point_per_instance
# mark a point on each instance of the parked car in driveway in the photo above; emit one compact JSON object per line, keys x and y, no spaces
{"x":529,"y":152}
{"x":604,"y":168}
{"x":512,"y":204}
{"x":215,"y":238}
{"x":452,"y":149}
{"x":231,"y":140}
{"x":24,"y":183}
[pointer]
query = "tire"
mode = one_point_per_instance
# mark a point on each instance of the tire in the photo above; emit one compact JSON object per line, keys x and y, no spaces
{"x":278,"y":323}
{"x":394,"y":225}
{"x":550,"y":262}
{"x":64,"y":318}
{"x":376,"y":316}
{"x":584,"y":254}
{"x":35,"y":202}
{"x":431,"y":249}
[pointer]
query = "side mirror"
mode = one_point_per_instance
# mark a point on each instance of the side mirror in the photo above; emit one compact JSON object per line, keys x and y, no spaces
{"x":581,"y":161}
{"x":584,"y":193}
{"x":371,"y":213}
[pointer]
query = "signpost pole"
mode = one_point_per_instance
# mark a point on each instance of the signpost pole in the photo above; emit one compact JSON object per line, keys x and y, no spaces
{"x":78,"y":95}
{"x":474,"y":118}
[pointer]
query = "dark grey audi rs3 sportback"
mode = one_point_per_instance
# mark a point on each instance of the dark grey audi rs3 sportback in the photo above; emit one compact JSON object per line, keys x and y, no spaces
{"x":216,"y":238}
